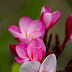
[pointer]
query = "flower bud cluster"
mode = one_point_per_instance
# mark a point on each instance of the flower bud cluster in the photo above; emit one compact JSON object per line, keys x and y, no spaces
{"x":31,"y":49}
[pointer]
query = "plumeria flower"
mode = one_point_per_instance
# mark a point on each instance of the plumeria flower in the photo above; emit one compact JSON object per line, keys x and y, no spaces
{"x":48,"y":18}
{"x":48,"y":65}
{"x":27,"y":30}
{"x":33,"y":51}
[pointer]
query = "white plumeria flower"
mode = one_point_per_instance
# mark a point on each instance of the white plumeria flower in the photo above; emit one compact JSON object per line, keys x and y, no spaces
{"x":48,"y":65}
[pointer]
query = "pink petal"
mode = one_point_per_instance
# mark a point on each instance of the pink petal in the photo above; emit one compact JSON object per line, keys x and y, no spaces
{"x":15,"y":31}
{"x":71,"y":38}
{"x":21,"y":61}
{"x":49,"y":64}
{"x":45,"y":9}
{"x":55,"y":16}
{"x":68,"y":25}
{"x":46,"y":18}
{"x":24,"y":23}
{"x":42,"y":30}
{"x":38,"y":55}
{"x":36,"y":34}
{"x":24,"y":40}
{"x":13,"y":48}
{"x":35,"y":25}
{"x":34,"y":46}
{"x":21,"y":50}
{"x":29,"y":66}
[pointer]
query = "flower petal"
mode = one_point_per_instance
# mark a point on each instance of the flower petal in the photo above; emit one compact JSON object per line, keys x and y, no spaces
{"x":15,"y":31}
{"x":46,"y":18}
{"x":21,"y":50}
{"x":68,"y":25}
{"x":55,"y":16}
{"x":33,"y":47}
{"x":45,"y":9}
{"x":13,"y":48}
{"x":49,"y":64}
{"x":36,"y":34}
{"x":24,"y":40}
{"x":21,"y":61}
{"x":29,"y":66}
{"x":42,"y":30}
{"x":71,"y":38}
{"x":38,"y":55}
{"x":24,"y":23}
{"x":35,"y":25}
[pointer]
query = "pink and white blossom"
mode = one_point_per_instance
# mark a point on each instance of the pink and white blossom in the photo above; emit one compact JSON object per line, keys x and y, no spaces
{"x":48,"y":65}
{"x":48,"y":18}
{"x":33,"y":51}
{"x":27,"y":30}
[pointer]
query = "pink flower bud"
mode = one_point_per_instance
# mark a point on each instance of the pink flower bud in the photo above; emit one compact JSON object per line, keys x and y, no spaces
{"x":68,"y":25}
{"x":48,"y":18}
{"x":13,"y":48}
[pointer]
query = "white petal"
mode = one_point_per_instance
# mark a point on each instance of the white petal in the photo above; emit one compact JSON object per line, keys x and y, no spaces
{"x":30,"y":66}
{"x":49,"y":64}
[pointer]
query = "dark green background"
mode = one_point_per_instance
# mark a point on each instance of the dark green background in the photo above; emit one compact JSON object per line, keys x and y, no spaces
{"x":10,"y":13}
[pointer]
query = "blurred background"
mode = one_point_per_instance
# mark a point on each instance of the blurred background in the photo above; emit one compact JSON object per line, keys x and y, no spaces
{"x":10,"y":13}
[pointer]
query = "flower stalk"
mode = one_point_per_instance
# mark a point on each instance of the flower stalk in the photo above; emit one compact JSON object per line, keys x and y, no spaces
{"x":45,"y":36}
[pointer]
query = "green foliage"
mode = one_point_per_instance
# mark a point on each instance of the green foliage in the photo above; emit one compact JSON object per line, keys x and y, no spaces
{"x":70,"y":3}
{"x":32,"y":8}
{"x":15,"y":67}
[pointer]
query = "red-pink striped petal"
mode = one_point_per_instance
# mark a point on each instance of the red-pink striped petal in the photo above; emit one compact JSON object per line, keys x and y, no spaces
{"x":21,"y":50}
{"x":34,"y":46}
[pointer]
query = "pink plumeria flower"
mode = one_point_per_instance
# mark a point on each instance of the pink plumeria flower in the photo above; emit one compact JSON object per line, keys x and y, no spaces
{"x":33,"y":51}
{"x":48,"y":65}
{"x":27,"y":30}
{"x":48,"y":18}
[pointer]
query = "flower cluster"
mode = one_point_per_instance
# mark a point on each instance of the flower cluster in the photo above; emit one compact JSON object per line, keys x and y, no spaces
{"x":31,"y":50}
